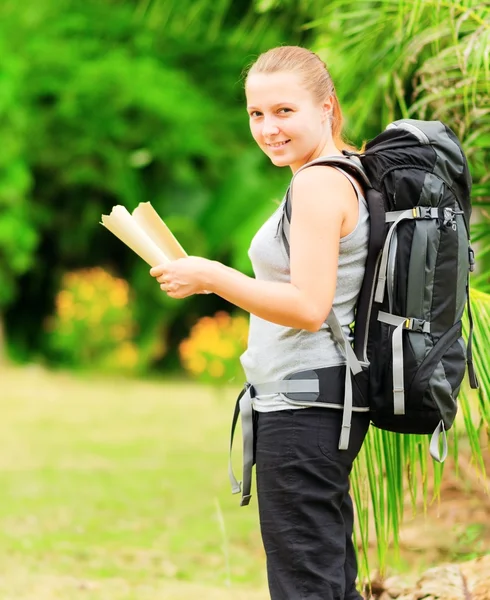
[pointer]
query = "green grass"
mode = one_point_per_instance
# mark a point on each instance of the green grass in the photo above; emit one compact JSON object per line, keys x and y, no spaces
{"x":117,"y":489}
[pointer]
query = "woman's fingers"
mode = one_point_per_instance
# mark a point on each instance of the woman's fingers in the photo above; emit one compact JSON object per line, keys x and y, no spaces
{"x":158,"y":271}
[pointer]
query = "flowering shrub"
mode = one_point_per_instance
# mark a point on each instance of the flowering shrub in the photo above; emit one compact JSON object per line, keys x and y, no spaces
{"x":212,"y":350}
{"x":93,"y":324}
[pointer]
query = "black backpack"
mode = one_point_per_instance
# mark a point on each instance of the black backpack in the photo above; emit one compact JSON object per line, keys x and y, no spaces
{"x":408,"y":323}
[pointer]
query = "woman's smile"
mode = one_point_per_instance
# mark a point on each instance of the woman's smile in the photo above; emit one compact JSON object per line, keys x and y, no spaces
{"x":276,"y":145}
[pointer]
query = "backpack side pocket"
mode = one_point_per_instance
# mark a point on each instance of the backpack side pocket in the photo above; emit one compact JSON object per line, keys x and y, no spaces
{"x":439,"y":376}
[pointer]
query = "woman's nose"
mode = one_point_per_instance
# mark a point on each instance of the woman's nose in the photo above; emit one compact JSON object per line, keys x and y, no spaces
{"x":269,"y":127}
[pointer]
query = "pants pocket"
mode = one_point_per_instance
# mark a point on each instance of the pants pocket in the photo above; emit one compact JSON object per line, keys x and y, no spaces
{"x":328,"y":433}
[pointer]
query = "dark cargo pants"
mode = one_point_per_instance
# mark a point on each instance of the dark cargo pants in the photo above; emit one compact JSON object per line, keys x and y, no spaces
{"x":306,"y":513}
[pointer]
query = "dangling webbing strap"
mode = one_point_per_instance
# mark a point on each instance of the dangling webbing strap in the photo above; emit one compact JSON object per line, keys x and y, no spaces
{"x":434,"y":443}
{"x":469,"y":348}
{"x":243,"y":408}
{"x":400,"y":323}
{"x":352,"y":366}
{"x":395,"y":217}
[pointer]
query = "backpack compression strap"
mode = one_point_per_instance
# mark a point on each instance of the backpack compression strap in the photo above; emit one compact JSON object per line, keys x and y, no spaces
{"x":401,"y":323}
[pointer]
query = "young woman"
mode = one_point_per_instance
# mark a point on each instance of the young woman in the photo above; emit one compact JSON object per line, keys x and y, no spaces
{"x":306,"y":513}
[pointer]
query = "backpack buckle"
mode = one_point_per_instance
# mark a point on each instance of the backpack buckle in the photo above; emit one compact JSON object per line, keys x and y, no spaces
{"x":425,"y":212}
{"x":418,"y":325}
{"x":420,"y":212}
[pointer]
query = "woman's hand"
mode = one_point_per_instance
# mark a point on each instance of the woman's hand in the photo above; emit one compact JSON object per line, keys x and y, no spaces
{"x":183,"y":277}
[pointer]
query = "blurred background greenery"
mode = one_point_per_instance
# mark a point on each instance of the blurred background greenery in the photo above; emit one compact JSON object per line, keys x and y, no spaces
{"x":106,"y":103}
{"x":124,"y":101}
{"x":121,"y":102}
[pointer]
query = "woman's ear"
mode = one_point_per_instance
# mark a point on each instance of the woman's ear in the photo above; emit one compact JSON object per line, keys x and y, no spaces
{"x":328,"y":109}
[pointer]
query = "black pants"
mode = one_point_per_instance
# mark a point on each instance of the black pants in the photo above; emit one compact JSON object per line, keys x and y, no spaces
{"x":306,"y":514}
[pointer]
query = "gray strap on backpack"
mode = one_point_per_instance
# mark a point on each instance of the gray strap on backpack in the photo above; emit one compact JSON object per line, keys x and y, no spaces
{"x":400,"y":323}
{"x":244,"y":407}
{"x":395,"y":217}
{"x":353,"y":366}
{"x":434,"y":443}
{"x":352,"y":164}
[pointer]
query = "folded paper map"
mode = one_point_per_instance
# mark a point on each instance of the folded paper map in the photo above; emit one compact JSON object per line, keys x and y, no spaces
{"x":145,"y":233}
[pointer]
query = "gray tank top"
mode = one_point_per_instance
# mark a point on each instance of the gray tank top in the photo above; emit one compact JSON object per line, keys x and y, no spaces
{"x":275,"y":351}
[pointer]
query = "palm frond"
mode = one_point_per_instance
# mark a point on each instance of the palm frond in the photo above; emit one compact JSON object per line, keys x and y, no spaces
{"x":428,"y":54}
{"x":390,"y":465}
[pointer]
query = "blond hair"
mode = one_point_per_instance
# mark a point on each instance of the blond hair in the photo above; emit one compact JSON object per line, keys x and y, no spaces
{"x":294,"y":59}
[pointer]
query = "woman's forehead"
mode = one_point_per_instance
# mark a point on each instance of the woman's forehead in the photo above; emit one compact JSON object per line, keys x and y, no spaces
{"x":275,"y":88}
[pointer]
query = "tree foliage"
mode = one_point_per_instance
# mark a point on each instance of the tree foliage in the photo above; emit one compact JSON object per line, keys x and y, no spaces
{"x":120,"y":103}
{"x":18,"y":236}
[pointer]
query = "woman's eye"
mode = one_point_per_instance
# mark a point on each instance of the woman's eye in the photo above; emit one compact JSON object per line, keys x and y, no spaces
{"x":285,"y":110}
{"x":255,"y":113}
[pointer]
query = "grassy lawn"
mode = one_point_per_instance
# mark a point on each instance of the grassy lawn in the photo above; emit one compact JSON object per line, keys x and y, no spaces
{"x":117,"y":489}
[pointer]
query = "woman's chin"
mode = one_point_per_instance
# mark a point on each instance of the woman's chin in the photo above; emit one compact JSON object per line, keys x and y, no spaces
{"x":280,"y":161}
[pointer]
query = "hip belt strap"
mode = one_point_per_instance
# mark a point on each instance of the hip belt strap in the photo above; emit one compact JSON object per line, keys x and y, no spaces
{"x":243,"y":408}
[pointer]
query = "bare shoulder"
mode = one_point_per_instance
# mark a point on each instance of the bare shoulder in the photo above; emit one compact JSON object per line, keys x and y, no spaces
{"x":311,"y":185}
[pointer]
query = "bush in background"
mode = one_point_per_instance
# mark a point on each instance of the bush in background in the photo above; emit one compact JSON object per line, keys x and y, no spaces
{"x":105,"y":103}
{"x":93,"y":325}
{"x":211,"y":352}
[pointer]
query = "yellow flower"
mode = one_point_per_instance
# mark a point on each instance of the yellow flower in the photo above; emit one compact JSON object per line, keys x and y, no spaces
{"x":216,"y":368}
{"x":216,"y":342}
{"x":197,"y":364}
{"x":93,"y":318}
{"x":128,"y":355}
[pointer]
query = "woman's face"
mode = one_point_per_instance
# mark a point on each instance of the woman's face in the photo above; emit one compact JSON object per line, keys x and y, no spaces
{"x":286,"y":120}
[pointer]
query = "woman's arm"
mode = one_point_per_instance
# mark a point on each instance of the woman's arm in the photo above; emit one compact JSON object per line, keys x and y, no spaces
{"x":322,"y":198}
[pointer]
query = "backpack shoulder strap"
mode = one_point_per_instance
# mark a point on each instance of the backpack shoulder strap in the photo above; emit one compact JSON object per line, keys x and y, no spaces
{"x":352,"y":169}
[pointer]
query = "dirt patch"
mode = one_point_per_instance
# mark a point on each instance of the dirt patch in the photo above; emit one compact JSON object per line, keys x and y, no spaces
{"x":455,"y":527}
